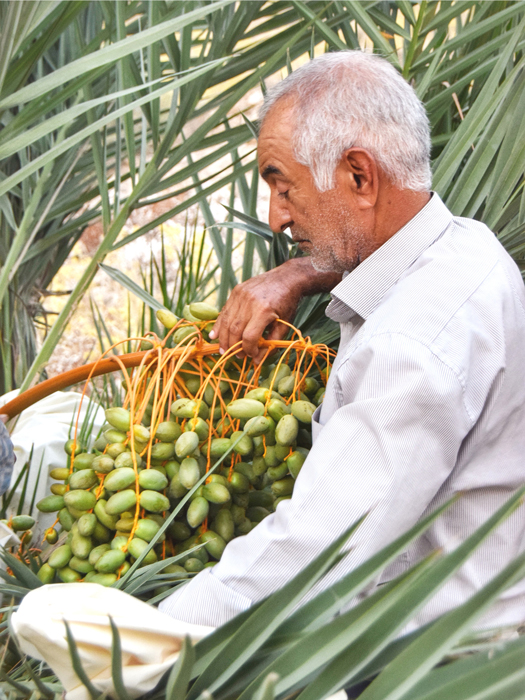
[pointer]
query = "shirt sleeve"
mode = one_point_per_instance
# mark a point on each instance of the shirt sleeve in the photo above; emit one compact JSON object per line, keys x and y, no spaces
{"x":386,"y":451}
{"x":7,"y":459}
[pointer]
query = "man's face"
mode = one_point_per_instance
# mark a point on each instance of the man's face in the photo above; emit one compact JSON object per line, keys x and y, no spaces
{"x":325,"y":224}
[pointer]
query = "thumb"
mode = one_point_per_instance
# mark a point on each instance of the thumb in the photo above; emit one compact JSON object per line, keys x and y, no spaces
{"x":274,"y":331}
{"x":214,"y":333}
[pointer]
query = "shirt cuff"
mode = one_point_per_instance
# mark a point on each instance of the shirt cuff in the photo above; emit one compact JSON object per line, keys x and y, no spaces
{"x":205,"y":601}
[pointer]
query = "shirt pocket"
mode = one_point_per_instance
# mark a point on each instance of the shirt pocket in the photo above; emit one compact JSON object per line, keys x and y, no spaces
{"x":316,"y":424}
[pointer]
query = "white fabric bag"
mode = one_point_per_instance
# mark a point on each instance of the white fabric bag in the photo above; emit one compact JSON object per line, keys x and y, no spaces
{"x":150,"y":640}
{"x":8,"y":538}
{"x":44,"y":427}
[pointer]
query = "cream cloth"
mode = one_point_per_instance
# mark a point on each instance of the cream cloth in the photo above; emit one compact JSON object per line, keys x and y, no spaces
{"x":150,"y":640}
{"x":44,"y":427}
{"x":8,"y":538}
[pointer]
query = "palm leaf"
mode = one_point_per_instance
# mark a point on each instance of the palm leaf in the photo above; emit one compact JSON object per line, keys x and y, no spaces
{"x":116,"y":663}
{"x":77,"y":665}
{"x":180,"y":674}
{"x":107,"y":55}
{"x":419,"y":658}
{"x":267,"y":618}
{"x":488,"y":674}
{"x":132,"y":287}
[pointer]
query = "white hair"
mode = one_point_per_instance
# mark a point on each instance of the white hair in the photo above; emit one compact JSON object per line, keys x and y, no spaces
{"x":351,"y":98}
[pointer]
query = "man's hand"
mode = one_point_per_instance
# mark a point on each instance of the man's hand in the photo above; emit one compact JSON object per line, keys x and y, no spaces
{"x":255,"y":305}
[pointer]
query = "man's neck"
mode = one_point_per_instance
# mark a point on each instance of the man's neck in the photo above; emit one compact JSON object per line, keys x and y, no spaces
{"x":395,"y":208}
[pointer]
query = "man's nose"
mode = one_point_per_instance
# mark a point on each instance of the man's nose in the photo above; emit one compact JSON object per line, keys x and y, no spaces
{"x":279,"y":217}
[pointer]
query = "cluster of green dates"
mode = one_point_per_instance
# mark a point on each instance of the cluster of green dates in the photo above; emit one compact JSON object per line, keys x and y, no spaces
{"x":21,"y":524}
{"x":197,"y":313}
{"x":264,"y":443}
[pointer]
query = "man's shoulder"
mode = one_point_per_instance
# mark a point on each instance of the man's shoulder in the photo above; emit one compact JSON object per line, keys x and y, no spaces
{"x":465,"y":274}
{"x":460,"y":305}
{"x":463,"y":300}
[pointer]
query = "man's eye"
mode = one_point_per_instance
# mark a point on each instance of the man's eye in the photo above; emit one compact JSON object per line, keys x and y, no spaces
{"x":283,"y":194}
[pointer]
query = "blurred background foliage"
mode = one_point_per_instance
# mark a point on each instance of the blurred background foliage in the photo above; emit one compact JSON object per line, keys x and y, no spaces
{"x":109,"y":108}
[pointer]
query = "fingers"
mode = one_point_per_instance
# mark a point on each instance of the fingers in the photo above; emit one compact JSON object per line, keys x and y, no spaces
{"x":243,"y":320}
{"x":252,"y":307}
{"x":214,"y":333}
{"x":229,"y":324}
{"x":277,"y":331}
{"x":220,"y":327}
{"x":252,"y":335}
{"x":232,"y":324}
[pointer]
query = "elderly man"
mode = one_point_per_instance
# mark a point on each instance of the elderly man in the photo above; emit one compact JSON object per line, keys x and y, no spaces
{"x":426,"y":398}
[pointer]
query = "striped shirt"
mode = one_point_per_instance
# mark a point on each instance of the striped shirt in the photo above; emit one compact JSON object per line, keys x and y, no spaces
{"x":426,"y":399}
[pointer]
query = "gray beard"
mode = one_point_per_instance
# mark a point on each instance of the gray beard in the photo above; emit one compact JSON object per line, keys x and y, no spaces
{"x":324,"y":259}
{"x":327,"y":261}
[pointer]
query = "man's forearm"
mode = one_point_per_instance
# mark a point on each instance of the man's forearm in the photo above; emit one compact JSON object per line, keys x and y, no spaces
{"x":255,"y":305}
{"x":308,"y":279}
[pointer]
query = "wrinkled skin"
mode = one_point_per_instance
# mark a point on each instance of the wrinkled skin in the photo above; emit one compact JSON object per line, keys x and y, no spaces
{"x":254,"y":305}
{"x":338,"y":229}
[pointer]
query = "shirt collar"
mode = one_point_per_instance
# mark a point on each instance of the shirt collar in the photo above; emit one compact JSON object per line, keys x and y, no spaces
{"x":361,"y":290}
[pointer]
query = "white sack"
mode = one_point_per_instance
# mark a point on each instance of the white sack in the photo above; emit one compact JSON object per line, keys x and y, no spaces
{"x":151,"y":641}
{"x":8,"y":538}
{"x":45,"y":426}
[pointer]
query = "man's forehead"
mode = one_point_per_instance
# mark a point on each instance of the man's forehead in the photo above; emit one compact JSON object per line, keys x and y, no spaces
{"x":275,"y":142}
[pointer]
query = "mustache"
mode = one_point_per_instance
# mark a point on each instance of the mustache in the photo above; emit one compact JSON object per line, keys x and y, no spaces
{"x":299,"y":234}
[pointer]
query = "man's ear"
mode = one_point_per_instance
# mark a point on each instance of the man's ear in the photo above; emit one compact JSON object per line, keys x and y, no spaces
{"x":361,"y":175}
